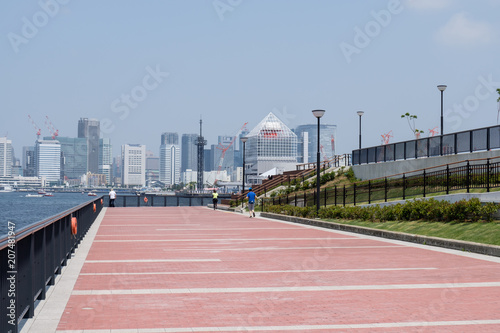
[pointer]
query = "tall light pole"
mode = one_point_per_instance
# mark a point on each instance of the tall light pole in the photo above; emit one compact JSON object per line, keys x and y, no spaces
{"x":318,"y":114}
{"x":244,"y":140}
{"x":441,"y":88}
{"x":360,"y":113}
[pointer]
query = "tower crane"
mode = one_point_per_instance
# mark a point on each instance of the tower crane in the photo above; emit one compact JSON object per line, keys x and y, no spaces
{"x":51,"y":128}
{"x":37,"y":129}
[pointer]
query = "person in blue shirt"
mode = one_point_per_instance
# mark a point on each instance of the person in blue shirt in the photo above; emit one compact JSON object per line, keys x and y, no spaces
{"x":251,"y":202}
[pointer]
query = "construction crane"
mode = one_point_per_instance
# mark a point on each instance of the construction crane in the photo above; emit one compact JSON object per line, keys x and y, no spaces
{"x":386,"y":137}
{"x":433,"y":131}
{"x":224,"y":149}
{"x":37,"y":129}
{"x":51,"y":128}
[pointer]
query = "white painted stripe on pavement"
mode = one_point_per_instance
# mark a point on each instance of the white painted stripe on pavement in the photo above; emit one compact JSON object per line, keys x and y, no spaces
{"x":285,"y":289}
{"x":287,"y":248}
{"x":300,"y":327}
{"x":221,"y":239}
{"x":149,"y":260}
{"x":270,"y":272}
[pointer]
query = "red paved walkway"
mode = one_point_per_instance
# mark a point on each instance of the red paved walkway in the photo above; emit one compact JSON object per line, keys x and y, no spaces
{"x":191,"y":269}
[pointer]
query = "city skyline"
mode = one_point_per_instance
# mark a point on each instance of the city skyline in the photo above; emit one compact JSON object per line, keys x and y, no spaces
{"x":146,"y":68}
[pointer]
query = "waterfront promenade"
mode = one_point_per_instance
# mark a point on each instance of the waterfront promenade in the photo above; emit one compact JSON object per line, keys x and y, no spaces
{"x":192,"y":269}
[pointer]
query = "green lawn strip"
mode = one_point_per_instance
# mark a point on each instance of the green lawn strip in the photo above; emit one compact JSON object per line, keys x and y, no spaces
{"x":477,"y":232}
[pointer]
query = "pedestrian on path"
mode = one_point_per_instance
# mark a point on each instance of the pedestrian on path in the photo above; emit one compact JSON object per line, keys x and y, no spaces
{"x":112,"y":197}
{"x":251,"y":202}
{"x":215,"y":198}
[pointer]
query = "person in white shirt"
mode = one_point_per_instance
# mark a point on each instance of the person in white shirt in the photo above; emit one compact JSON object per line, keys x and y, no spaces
{"x":112,"y":197}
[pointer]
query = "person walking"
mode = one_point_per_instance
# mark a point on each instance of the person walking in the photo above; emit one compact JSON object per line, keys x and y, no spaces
{"x":112,"y":197}
{"x":251,"y":202}
{"x":215,"y":198}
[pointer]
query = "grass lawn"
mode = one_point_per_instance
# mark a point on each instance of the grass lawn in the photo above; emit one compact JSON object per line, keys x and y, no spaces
{"x":477,"y":232}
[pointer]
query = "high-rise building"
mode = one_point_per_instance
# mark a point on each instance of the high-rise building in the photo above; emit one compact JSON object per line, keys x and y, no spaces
{"x":5,"y":157}
{"x":170,"y":159}
{"x":105,"y":159}
{"x":189,"y":152}
{"x":90,"y":129}
{"x":271,"y":144}
{"x":48,"y":160}
{"x":152,"y":167}
{"x":326,"y":142}
{"x":133,"y":165}
{"x":74,"y":154}
{"x":29,"y":165}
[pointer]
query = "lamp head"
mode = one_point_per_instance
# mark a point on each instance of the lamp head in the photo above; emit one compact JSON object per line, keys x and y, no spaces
{"x":442,"y":87}
{"x":244,"y":139}
{"x":318,"y":113}
{"x":360,"y":113}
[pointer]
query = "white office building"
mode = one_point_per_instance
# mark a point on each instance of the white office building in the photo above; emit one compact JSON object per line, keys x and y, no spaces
{"x":105,"y":158}
{"x":271,"y":144}
{"x":133,"y":163}
{"x":170,"y":159}
{"x":48,"y":160}
{"x":5,"y":157}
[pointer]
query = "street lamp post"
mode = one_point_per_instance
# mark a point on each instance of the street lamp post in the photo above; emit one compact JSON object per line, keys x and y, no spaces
{"x":244,"y":140}
{"x":360,"y":113}
{"x":441,"y":88}
{"x":318,"y":114}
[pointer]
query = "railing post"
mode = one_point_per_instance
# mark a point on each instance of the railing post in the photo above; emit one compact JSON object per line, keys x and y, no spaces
{"x":343,"y":197}
{"x":124,"y":201}
{"x":404,"y":186}
{"x":335,"y":195}
{"x":488,"y":139}
{"x":295,"y":199}
{"x":354,"y":193}
{"x":138,"y":201}
{"x":369,"y":192}
{"x":468,"y":176}
{"x":385,"y":189}
{"x":488,"y":173}
{"x":424,"y":183}
{"x":305,"y":199}
{"x":164,"y":201}
{"x":455,"y":143}
{"x":325,"y":195}
{"x":447,"y":178}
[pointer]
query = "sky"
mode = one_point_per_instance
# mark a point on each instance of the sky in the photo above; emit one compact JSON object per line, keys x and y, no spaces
{"x":147,"y":67}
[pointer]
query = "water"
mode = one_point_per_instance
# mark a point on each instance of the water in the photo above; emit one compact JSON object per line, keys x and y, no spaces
{"x":16,"y":207}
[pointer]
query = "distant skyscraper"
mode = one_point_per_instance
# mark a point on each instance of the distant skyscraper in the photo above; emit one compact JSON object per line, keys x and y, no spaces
{"x":189,"y":152}
{"x":5,"y":157}
{"x":224,"y":155}
{"x":48,"y":159}
{"x":152,"y":167}
{"x":327,"y":140}
{"x":90,"y":129}
{"x":105,"y":158}
{"x":133,"y":165}
{"x":29,"y":165}
{"x":74,"y":154}
{"x":170,"y":159}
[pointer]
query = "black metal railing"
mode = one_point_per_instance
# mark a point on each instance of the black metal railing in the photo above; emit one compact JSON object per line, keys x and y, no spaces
{"x":471,"y":174}
{"x":158,"y":200}
{"x":481,"y":139}
{"x":30,"y":259}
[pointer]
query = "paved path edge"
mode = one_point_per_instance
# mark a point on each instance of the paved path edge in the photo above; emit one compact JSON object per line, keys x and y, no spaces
{"x":491,"y":250}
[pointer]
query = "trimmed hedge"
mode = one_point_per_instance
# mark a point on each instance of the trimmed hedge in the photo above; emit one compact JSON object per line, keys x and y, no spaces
{"x":429,"y":210}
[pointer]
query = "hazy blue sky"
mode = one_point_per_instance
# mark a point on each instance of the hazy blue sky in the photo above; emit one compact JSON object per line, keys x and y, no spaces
{"x":147,"y":67}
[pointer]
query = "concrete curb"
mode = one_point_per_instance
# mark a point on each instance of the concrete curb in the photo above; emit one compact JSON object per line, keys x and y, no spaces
{"x":490,"y":250}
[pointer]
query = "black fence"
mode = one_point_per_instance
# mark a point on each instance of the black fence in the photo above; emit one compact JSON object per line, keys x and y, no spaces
{"x":474,"y":174}
{"x":482,"y":139}
{"x":158,"y":200}
{"x":31,"y":258}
